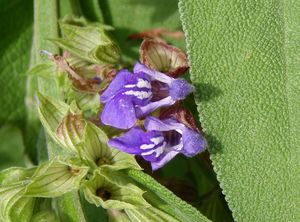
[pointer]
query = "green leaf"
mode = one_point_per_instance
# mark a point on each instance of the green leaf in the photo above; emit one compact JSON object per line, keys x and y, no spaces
{"x":55,"y":178}
{"x":183,"y":210}
{"x":134,"y":16}
{"x":149,"y":214}
{"x":90,"y":43}
{"x":244,"y":62}
{"x":91,"y":10}
{"x":113,"y":190}
{"x":11,"y":147}
{"x":95,"y":150}
{"x":15,"y":46}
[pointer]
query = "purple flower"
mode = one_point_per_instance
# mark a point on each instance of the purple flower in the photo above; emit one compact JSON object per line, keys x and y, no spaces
{"x":162,"y":141}
{"x":134,"y":95}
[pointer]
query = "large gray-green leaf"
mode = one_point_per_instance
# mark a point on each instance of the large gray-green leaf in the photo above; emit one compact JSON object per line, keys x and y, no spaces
{"x":14,"y":57}
{"x":244,"y":62}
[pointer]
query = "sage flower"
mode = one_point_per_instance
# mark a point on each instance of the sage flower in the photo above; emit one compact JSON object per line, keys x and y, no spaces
{"x":162,"y":141}
{"x":131,"y":96}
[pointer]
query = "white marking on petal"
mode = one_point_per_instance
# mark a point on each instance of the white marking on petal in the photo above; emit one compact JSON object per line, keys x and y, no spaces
{"x":140,"y":84}
{"x":143,"y":84}
{"x":147,"y":146}
{"x":130,"y":86}
{"x":179,"y":131}
{"x":158,"y":151}
{"x":138,"y":94}
{"x":157,"y":140}
{"x":148,"y":152}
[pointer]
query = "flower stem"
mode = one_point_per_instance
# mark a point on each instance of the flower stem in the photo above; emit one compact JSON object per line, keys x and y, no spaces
{"x":45,"y":27}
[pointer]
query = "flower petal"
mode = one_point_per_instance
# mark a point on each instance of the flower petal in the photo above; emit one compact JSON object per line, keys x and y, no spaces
{"x":153,"y":123}
{"x":134,"y":140}
{"x":139,"y":67}
{"x":151,"y":106}
{"x":119,"y":112}
{"x":117,"y":84}
{"x":165,"y":158}
{"x":193,"y":142}
{"x":180,"y":89}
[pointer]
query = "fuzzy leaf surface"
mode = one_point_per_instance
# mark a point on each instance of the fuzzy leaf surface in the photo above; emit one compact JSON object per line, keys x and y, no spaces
{"x":244,"y":63}
{"x":14,"y":57}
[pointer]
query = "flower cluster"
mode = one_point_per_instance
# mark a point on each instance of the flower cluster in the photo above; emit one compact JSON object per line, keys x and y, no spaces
{"x":135,"y":96}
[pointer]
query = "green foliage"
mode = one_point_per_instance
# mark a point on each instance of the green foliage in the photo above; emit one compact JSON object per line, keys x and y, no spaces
{"x":182,"y":210}
{"x":97,"y":153}
{"x":67,"y":133}
{"x":133,"y":16}
{"x":149,"y":214}
{"x":90,"y":43}
{"x":45,"y":216}
{"x":14,"y":58}
{"x":55,"y":178}
{"x":244,"y":64}
{"x":113,"y":190}
{"x":11,"y":139}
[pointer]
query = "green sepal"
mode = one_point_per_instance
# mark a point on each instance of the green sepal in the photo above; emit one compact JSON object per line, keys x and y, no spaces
{"x":97,"y":153}
{"x":70,"y":131}
{"x":88,"y":103}
{"x":45,"y":216}
{"x":163,"y":57}
{"x":61,"y":121}
{"x":13,"y":206}
{"x":15,"y":174}
{"x":9,"y":195}
{"x":90,"y":43}
{"x":51,"y":113}
{"x":117,"y":216}
{"x":113,"y":190}
{"x":22,"y":210}
{"x":55,"y":178}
